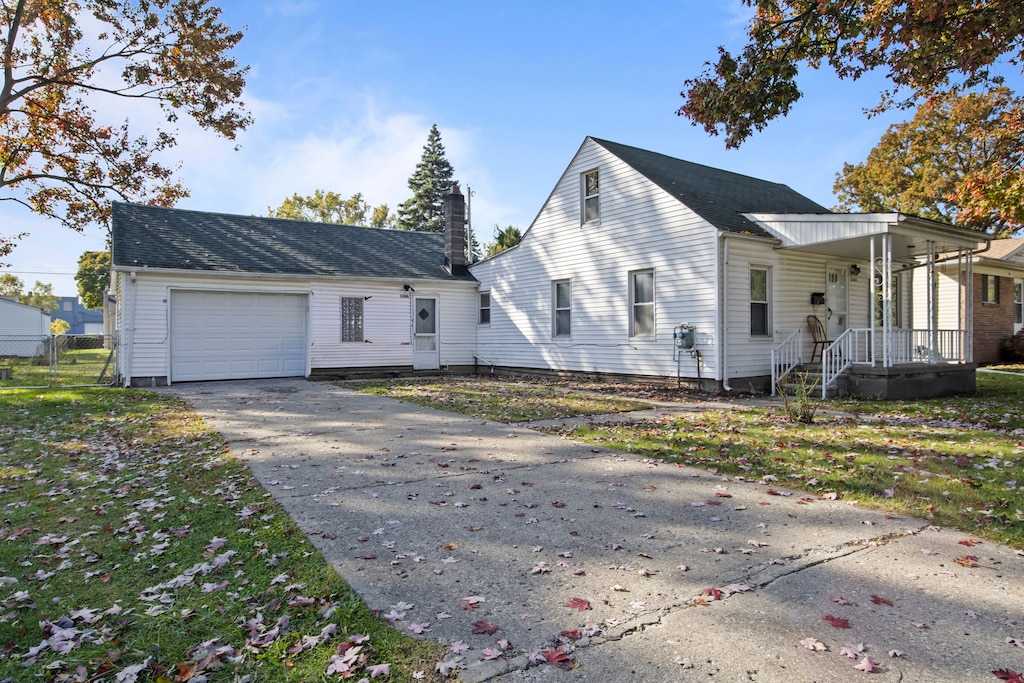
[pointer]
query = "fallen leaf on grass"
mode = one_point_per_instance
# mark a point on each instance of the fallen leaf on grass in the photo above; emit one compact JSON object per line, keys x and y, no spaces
{"x":578,"y":604}
{"x":837,"y":622}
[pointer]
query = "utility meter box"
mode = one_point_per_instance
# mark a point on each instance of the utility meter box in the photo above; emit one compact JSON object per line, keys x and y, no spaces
{"x":685,"y":336}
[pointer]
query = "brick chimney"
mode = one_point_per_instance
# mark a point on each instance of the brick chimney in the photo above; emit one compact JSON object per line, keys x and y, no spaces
{"x":455,"y":232}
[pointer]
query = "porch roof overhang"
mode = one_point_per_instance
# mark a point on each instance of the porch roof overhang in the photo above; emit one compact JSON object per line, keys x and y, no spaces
{"x":850,"y":235}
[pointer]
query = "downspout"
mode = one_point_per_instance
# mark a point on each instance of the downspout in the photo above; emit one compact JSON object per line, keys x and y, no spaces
{"x":723,"y":315}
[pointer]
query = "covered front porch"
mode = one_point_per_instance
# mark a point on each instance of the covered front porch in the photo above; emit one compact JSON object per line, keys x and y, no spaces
{"x":924,"y":356}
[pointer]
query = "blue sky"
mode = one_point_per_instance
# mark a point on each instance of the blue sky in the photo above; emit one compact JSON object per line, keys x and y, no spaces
{"x":344,"y":94}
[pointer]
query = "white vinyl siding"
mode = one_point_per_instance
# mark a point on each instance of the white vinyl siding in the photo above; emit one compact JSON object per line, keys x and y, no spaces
{"x":642,"y":222}
{"x":143,"y":316}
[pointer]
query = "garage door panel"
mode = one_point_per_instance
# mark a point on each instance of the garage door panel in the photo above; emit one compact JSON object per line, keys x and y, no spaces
{"x":237,"y":335}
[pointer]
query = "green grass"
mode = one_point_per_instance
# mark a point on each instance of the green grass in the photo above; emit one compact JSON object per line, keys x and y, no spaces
{"x":956,"y":461}
{"x":112,"y":501}
{"x":75,"y":367}
{"x":501,"y":400}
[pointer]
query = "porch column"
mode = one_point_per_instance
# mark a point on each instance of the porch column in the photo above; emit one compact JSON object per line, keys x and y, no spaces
{"x":881,"y":298}
{"x":968,"y":349}
{"x":932,"y":308}
{"x":887,"y":317}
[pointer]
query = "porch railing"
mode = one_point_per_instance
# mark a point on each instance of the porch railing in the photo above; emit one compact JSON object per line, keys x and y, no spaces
{"x":785,"y":357}
{"x":916,"y":346}
{"x":839,"y":356}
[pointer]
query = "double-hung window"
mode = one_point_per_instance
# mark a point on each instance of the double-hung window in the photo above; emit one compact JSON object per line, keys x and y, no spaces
{"x":591,"y":201}
{"x":485,"y":308}
{"x":760,"y":301}
{"x":641,"y":298}
{"x":1018,"y":302}
{"x":561,"y":295}
{"x":351,"y":319}
{"x":990,"y":289}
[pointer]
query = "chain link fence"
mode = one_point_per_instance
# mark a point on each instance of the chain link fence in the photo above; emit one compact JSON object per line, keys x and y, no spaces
{"x":66,"y":360}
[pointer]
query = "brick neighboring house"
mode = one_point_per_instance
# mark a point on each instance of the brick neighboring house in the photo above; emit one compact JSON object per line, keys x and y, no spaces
{"x":998,"y":298}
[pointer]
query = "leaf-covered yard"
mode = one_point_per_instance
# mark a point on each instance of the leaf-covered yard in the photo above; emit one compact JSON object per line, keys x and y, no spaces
{"x":134,"y":547}
{"x":957,"y":461}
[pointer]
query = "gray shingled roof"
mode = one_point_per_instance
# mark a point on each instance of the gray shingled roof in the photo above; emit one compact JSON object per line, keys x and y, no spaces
{"x":157,"y":237}
{"x":719,"y":197}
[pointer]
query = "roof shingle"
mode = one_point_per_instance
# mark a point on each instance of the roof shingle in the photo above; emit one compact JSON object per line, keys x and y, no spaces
{"x":719,"y":197}
{"x":157,"y":237}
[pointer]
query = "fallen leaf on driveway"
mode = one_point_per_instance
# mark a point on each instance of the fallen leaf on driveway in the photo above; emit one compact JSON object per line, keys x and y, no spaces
{"x":867,"y":665}
{"x":1008,"y":675}
{"x":484,"y":627}
{"x":813,"y":644}
{"x":578,"y":604}
{"x":560,"y":659}
{"x":878,"y":600}
{"x":837,"y":622}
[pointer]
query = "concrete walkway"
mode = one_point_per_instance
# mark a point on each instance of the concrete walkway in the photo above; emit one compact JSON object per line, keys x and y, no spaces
{"x":653,"y":572}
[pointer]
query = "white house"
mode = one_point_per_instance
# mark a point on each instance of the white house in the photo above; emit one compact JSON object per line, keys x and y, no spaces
{"x":632,"y":247}
{"x":204,"y":296}
{"x":637,"y":265}
{"x":24,"y":329}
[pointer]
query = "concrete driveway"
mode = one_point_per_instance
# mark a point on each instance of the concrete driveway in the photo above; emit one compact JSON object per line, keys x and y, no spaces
{"x":636,"y":569}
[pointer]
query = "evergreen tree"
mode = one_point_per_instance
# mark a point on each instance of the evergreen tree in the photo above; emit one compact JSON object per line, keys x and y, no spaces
{"x":430,"y":182}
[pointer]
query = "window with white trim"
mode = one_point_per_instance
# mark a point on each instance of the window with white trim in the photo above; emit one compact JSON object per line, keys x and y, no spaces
{"x":351,"y":319}
{"x":760,"y":301}
{"x":1018,"y":302}
{"x":485,"y":308}
{"x":561,"y":299}
{"x":641,"y":302}
{"x":591,"y":201}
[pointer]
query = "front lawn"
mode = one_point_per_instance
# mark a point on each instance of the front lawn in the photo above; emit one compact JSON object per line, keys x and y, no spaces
{"x":134,"y":547}
{"x":501,"y":400}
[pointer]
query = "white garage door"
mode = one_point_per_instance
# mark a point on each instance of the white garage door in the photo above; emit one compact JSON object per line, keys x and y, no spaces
{"x":237,"y":335}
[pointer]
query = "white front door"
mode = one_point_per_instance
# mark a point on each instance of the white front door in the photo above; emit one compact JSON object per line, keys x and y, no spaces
{"x":426,"y":346}
{"x":837,"y":301}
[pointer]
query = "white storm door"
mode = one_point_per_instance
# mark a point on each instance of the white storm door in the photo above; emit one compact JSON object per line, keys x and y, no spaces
{"x":837,"y":300}
{"x":426,"y":342}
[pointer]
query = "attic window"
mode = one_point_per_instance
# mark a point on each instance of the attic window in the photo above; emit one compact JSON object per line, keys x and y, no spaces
{"x":591,"y":197}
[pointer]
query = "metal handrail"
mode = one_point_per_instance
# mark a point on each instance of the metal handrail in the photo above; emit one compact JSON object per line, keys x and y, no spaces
{"x":835,"y":360}
{"x":785,"y":357}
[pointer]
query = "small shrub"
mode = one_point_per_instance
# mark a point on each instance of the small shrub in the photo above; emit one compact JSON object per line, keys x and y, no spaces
{"x":1015,"y":346}
{"x":800,"y":407}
